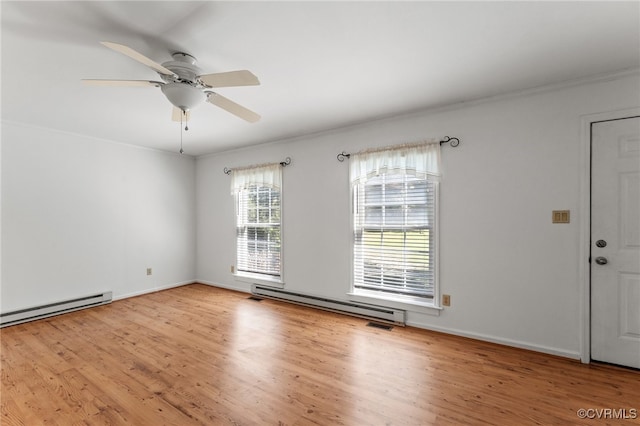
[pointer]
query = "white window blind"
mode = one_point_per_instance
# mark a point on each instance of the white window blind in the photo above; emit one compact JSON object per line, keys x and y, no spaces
{"x":258,"y":228}
{"x":394,"y":207}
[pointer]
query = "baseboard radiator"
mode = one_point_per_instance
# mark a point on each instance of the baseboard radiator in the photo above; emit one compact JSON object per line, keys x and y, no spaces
{"x":362,"y":310}
{"x":51,"y":309}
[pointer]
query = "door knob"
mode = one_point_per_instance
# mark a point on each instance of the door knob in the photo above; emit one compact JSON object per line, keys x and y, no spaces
{"x":601,"y":260}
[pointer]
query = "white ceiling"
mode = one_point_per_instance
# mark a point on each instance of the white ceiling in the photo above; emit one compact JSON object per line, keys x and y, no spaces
{"x":321,"y":65}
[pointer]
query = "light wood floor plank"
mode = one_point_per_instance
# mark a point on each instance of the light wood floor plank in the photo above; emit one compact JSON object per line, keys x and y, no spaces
{"x":198,"y":355}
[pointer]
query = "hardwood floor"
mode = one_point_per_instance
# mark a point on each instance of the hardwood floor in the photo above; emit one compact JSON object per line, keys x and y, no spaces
{"x":198,"y":355}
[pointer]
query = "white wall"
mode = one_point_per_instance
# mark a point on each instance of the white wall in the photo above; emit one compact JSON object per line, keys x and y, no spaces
{"x":81,"y":215}
{"x":513,"y":276}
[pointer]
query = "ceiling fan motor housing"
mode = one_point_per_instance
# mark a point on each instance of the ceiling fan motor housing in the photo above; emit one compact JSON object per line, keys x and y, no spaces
{"x":183,"y":91}
{"x":184,"y":66}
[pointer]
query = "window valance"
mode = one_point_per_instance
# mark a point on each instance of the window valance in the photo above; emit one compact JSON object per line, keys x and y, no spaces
{"x":269,"y":175}
{"x":421,"y":160}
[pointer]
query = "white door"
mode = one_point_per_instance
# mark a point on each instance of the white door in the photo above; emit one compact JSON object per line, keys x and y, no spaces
{"x":615,"y":241}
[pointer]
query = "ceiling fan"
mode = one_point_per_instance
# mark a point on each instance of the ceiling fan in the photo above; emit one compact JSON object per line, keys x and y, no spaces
{"x":184,"y":85}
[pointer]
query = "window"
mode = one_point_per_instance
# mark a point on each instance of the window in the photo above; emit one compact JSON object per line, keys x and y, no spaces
{"x":258,"y":220}
{"x":394,"y":222}
{"x":258,"y":230}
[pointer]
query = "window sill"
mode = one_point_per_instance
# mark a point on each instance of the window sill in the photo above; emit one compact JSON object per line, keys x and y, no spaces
{"x":250,"y":278}
{"x":428,"y":308}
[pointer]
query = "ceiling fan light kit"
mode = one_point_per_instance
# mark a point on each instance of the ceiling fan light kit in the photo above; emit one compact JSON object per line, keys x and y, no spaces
{"x":183,"y":96}
{"x":184,"y":85}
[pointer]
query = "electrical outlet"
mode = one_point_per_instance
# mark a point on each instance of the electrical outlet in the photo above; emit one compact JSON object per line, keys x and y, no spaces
{"x":446,"y":300}
{"x":149,"y":271}
{"x":233,"y":269}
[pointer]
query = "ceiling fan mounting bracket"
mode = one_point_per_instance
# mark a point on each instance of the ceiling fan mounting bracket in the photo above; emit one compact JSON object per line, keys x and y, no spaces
{"x":184,"y":57}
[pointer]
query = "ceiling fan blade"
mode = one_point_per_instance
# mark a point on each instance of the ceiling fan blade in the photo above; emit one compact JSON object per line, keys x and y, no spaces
{"x":176,"y":115}
{"x":121,"y":83}
{"x":230,"y":79}
{"x":232,"y":107}
{"x":126,"y":50}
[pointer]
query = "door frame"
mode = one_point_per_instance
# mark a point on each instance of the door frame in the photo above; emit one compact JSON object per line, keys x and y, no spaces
{"x":584,"y":275}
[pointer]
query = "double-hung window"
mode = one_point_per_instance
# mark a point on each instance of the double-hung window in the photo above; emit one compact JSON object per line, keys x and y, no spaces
{"x":395,"y":195}
{"x":258,"y":220}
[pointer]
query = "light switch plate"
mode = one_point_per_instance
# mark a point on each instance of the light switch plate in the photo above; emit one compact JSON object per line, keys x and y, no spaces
{"x":560,"y":216}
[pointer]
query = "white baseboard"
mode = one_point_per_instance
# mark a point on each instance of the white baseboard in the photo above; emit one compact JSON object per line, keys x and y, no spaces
{"x":501,"y":341}
{"x":153,"y":290}
{"x":243,"y":289}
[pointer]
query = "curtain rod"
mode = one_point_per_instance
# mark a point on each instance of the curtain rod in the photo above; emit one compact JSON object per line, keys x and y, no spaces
{"x":451,"y":141}
{"x":286,"y":162}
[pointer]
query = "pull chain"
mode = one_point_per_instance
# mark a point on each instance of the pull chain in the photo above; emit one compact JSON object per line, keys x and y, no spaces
{"x":181,"y":150}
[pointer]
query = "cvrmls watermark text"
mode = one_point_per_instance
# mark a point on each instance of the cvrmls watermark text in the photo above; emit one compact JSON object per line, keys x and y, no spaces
{"x":608,"y":413}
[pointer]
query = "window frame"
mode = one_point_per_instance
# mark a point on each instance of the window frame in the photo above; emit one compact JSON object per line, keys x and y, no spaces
{"x":254,"y":277}
{"x":417,"y":304}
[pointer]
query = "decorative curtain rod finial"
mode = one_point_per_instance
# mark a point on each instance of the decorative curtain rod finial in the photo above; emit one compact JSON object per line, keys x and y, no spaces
{"x":286,"y":162}
{"x":341,"y":157}
{"x":451,"y":141}
{"x":227,"y":171}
